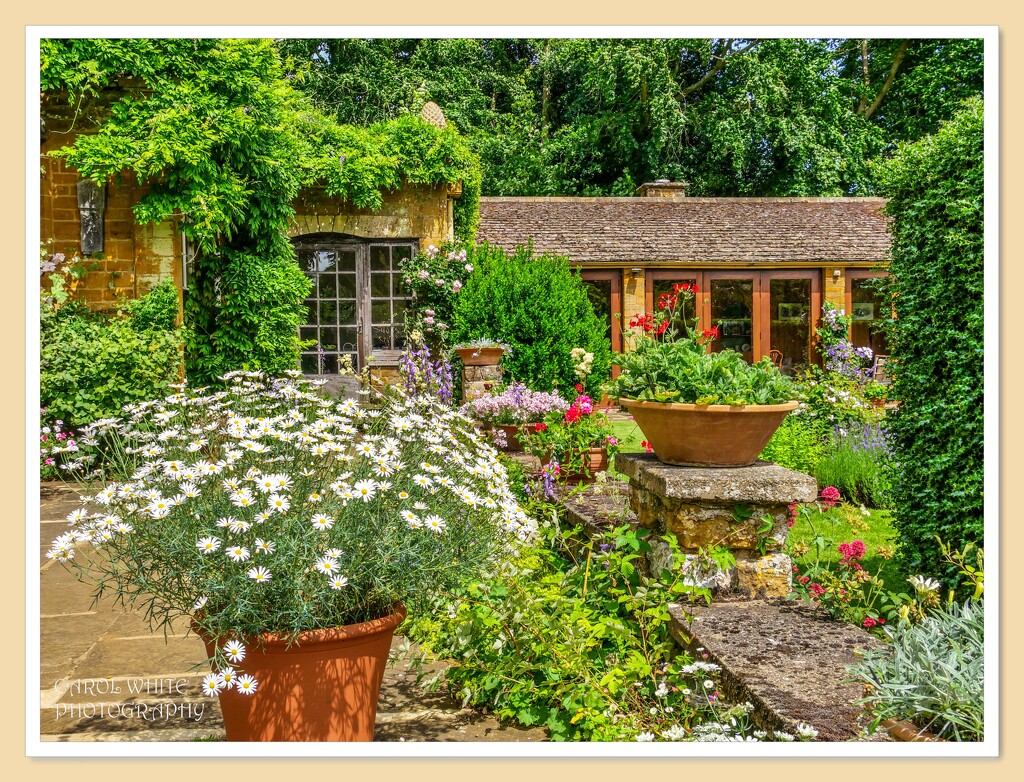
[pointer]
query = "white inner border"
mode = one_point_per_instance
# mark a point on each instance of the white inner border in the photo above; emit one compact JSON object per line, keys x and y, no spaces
{"x":988,"y":748}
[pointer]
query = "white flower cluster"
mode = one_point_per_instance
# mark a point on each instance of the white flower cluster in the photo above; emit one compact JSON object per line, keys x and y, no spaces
{"x":583,"y":363}
{"x":267,"y":476}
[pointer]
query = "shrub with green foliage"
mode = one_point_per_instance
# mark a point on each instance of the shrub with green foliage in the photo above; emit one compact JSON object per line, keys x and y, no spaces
{"x":91,"y":365}
{"x":798,"y":444}
{"x":936,"y":342}
{"x":540,"y":307}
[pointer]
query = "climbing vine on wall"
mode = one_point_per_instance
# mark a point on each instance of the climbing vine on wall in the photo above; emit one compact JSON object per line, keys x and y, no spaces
{"x":224,"y":141}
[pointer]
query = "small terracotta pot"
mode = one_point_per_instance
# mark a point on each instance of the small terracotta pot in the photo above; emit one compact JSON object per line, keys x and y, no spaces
{"x":512,"y":431}
{"x":323,"y":687}
{"x":594,"y":459}
{"x":478,"y":357}
{"x":907,"y":731}
{"x":707,"y":435}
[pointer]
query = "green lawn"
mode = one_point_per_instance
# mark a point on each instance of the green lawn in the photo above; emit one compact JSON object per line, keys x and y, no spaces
{"x":847,"y":524}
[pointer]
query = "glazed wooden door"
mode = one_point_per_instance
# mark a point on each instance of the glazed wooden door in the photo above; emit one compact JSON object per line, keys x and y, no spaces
{"x":604,"y":287}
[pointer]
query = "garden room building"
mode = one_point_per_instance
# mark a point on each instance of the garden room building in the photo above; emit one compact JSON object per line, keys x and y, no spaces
{"x":763,"y":266}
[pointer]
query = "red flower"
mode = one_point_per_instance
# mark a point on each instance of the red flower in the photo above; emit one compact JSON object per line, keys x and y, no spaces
{"x":647,"y":447}
{"x":804,"y":579}
{"x":542,"y":427}
{"x":830,"y":496}
{"x":573,"y":414}
{"x":869,"y":622}
{"x":666,"y":301}
{"x":711,"y":333}
{"x":816,"y":589}
{"x":662,"y":326}
{"x":579,"y":388}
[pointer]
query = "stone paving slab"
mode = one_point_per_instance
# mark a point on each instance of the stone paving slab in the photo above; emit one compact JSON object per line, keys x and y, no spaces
{"x":785,"y":658}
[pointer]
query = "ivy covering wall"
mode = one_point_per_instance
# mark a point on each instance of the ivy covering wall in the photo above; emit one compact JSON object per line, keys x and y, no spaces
{"x":224,"y":139}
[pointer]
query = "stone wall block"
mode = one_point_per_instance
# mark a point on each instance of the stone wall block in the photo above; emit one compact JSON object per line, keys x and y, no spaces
{"x":760,"y":577}
{"x":490,"y":373}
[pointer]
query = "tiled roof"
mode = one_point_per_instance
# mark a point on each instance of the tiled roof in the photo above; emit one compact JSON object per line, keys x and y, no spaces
{"x":691,"y":230}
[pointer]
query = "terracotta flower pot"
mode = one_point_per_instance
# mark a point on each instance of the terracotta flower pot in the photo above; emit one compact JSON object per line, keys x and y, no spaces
{"x":324,"y":687}
{"x":594,"y":459}
{"x":478,"y":357}
{"x":707,"y":435}
{"x":513,"y":443}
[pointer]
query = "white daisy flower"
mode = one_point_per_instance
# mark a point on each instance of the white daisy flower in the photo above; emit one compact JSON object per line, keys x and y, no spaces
{"x":199,"y":603}
{"x":365,"y":490}
{"x":234,"y":651}
{"x":264,"y":546}
{"x":333,"y":552}
{"x":208,"y":545}
{"x":279,"y":503}
{"x":259,"y":574}
{"x":212,"y":684}
{"x":238,"y":553}
{"x":246,"y":684}
{"x":237,"y":525}
{"x":322,"y":521}
{"x":338,"y":582}
{"x":435,"y":523}
{"x":227,"y":676}
{"x":326,"y":565}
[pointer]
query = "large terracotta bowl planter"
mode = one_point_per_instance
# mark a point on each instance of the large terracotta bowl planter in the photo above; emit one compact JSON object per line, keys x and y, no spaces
{"x":707,"y":435}
{"x":323,"y":688}
{"x":480,"y":357}
{"x":512,"y":432}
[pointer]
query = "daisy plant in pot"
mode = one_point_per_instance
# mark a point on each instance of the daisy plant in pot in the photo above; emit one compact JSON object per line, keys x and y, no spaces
{"x":276,"y":520}
{"x":695,"y":406}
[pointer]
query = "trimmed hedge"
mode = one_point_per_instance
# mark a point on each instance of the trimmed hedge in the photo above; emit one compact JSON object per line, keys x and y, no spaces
{"x":539,"y":306}
{"x":936,"y":340}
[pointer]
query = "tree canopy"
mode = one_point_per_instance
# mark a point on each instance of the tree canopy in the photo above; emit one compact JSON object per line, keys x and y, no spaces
{"x":600,"y":116}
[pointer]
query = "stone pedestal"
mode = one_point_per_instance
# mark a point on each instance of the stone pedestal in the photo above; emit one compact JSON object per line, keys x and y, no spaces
{"x":745,"y":509}
{"x":479,"y":379}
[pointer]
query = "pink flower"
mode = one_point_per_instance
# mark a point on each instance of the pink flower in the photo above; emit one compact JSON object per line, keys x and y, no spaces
{"x":647,"y":447}
{"x":456,"y":286}
{"x":849,"y":553}
{"x":469,"y":268}
{"x":830,"y":496}
{"x":424,"y":274}
{"x":429,"y":321}
{"x":50,"y":462}
{"x":612,"y":441}
{"x":869,"y":622}
{"x":816,"y":589}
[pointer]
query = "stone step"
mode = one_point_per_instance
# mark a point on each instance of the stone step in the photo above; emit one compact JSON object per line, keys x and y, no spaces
{"x":784,"y":657}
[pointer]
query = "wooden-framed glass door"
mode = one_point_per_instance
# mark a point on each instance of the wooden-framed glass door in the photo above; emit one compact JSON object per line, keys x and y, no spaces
{"x":791,"y":303}
{"x":356,"y":308}
{"x":755,"y":311}
{"x":866,"y":307}
{"x":604,"y":287}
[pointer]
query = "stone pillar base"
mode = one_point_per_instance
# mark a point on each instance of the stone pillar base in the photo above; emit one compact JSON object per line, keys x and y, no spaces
{"x":479,"y":379}
{"x":744,"y":509}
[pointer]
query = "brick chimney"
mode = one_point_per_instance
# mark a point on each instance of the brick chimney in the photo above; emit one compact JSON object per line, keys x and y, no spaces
{"x":662,"y":188}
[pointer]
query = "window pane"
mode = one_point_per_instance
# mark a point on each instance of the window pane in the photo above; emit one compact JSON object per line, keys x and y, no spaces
{"x":790,"y":328}
{"x":307,"y":260}
{"x":328,"y":286}
{"x":599,"y":292}
{"x":346,"y":286}
{"x":346,"y":260}
{"x":330,"y":364}
{"x":397,"y":288}
{"x":327,"y":261}
{"x":307,"y":332}
{"x":380,"y":258}
{"x":347,"y":340}
{"x":382,"y":338}
{"x":346,"y":312}
{"x":381,"y":312}
{"x":311,"y":311}
{"x":328,"y":339}
{"x":308,"y":364}
{"x":402,"y":253}
{"x":380,"y":285}
{"x":398,"y":308}
{"x":329,"y":312}
{"x":732,"y":310}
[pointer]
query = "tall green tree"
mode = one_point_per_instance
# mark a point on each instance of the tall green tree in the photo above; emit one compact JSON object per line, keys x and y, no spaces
{"x":600,"y":116}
